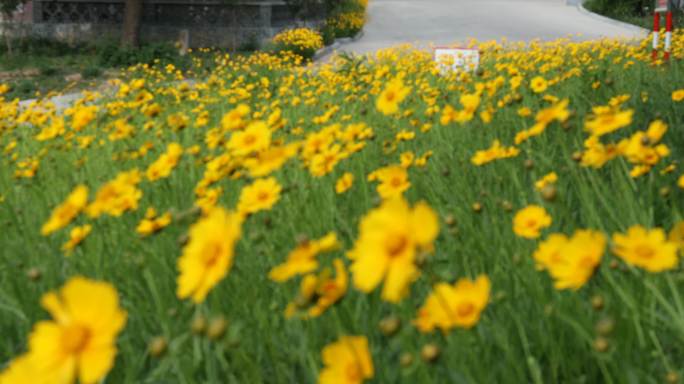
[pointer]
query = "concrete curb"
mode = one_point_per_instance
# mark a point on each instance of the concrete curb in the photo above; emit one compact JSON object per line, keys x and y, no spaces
{"x":580,"y":6}
{"x":325,"y":51}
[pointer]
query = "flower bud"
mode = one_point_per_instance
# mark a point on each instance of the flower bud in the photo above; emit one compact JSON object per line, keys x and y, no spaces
{"x":157,"y":346}
{"x":430,"y":352}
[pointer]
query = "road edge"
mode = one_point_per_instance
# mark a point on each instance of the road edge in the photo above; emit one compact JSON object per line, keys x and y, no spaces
{"x":323,"y":52}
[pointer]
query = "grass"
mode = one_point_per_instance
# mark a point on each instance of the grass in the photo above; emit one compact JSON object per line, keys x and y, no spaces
{"x":529,"y":331}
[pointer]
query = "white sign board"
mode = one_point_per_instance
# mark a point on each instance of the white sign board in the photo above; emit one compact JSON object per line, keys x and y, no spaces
{"x":662,"y":5}
{"x":457,"y":59}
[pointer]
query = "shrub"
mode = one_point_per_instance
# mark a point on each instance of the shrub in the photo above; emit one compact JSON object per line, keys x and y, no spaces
{"x":347,"y":24}
{"x":301,"y":41}
{"x":91,"y":72}
{"x":111,"y":54}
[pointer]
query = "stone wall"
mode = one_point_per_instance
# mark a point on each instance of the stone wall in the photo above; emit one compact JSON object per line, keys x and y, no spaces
{"x":204,"y":23}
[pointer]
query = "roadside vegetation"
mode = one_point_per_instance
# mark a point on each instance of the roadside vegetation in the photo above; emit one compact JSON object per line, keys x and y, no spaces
{"x":637,"y":12}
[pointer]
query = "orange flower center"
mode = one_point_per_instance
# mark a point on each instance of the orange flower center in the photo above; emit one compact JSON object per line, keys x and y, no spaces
{"x":354,"y":373}
{"x":390,"y":96}
{"x":644,"y":251}
{"x":249,"y":139}
{"x":587,"y":262}
{"x":531,"y":223}
{"x":213,"y":253}
{"x":465,"y":309}
{"x":75,"y":339}
{"x":395,"y":245}
{"x":263,"y":196}
{"x":396,"y":182}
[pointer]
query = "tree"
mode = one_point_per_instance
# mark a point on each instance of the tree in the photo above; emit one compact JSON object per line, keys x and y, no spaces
{"x":7,"y":8}
{"x":130,"y":35}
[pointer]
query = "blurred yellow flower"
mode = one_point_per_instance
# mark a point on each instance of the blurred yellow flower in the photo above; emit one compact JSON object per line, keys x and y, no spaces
{"x":347,"y":361}
{"x":571,"y":262}
{"x":256,"y":137}
{"x":208,"y":256}
{"x":647,"y":249}
{"x":495,"y":152}
{"x":80,"y":340}
{"x":450,"y":306}
{"x":549,"y":178}
{"x":393,"y":181}
{"x":539,"y":84}
{"x":258,"y":196}
{"x":152,"y":223}
{"x":678,"y":95}
{"x":529,"y":221}
{"x":117,"y":196}
{"x":319,"y":292}
{"x":302,"y":259}
{"x":162,"y":167}
{"x":344,"y":183}
{"x":63,"y":214}
{"x":394,"y":93}
{"x":76,"y":236}
{"x":389,"y":237}
{"x":606,"y":121}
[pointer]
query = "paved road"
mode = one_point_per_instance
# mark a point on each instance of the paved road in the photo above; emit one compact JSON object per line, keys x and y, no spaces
{"x":393,"y":22}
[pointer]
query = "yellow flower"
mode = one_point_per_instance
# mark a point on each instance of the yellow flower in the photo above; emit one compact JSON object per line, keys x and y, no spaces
{"x":80,"y":340}
{"x":234,"y":119}
{"x":530,"y":220}
{"x":386,"y":247}
{"x":63,"y":214}
{"x":208,"y":256}
{"x":347,"y":361}
{"x":162,"y":167}
{"x":151,"y":223}
{"x":82,"y":117}
{"x":394,"y":93}
{"x":676,"y":235}
{"x":117,"y":196}
{"x":256,"y":137}
{"x":549,"y":253}
{"x":302,"y":259}
{"x":495,"y":152}
{"x":393,"y":181}
{"x":524,"y":112}
{"x":547,"y":179}
{"x":344,"y":183}
{"x":571,"y":262}
{"x":319,"y":292}
{"x":607,"y":121}
{"x":539,"y":84}
{"x":597,"y":154}
{"x":648,"y":249}
{"x":269,"y":160}
{"x":450,"y":306}
{"x":680,"y":182}
{"x":678,"y":95}
{"x":76,"y":237}
{"x":258,"y":196}
{"x":21,"y":371}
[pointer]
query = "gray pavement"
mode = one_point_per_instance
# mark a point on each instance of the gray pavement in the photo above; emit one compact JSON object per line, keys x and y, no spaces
{"x":441,"y":22}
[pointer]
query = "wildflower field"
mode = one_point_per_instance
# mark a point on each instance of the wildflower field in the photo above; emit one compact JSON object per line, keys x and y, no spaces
{"x":368,"y":220}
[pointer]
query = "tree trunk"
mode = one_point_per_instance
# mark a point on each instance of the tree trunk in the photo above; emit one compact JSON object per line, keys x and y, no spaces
{"x":130,"y":36}
{"x":6,"y":25}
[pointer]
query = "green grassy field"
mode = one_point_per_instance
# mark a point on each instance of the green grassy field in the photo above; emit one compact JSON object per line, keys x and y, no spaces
{"x":623,"y":324}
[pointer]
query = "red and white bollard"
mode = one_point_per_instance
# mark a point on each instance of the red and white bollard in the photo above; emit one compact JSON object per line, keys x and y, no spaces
{"x":668,"y":34}
{"x":656,"y":34}
{"x":662,"y":6}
